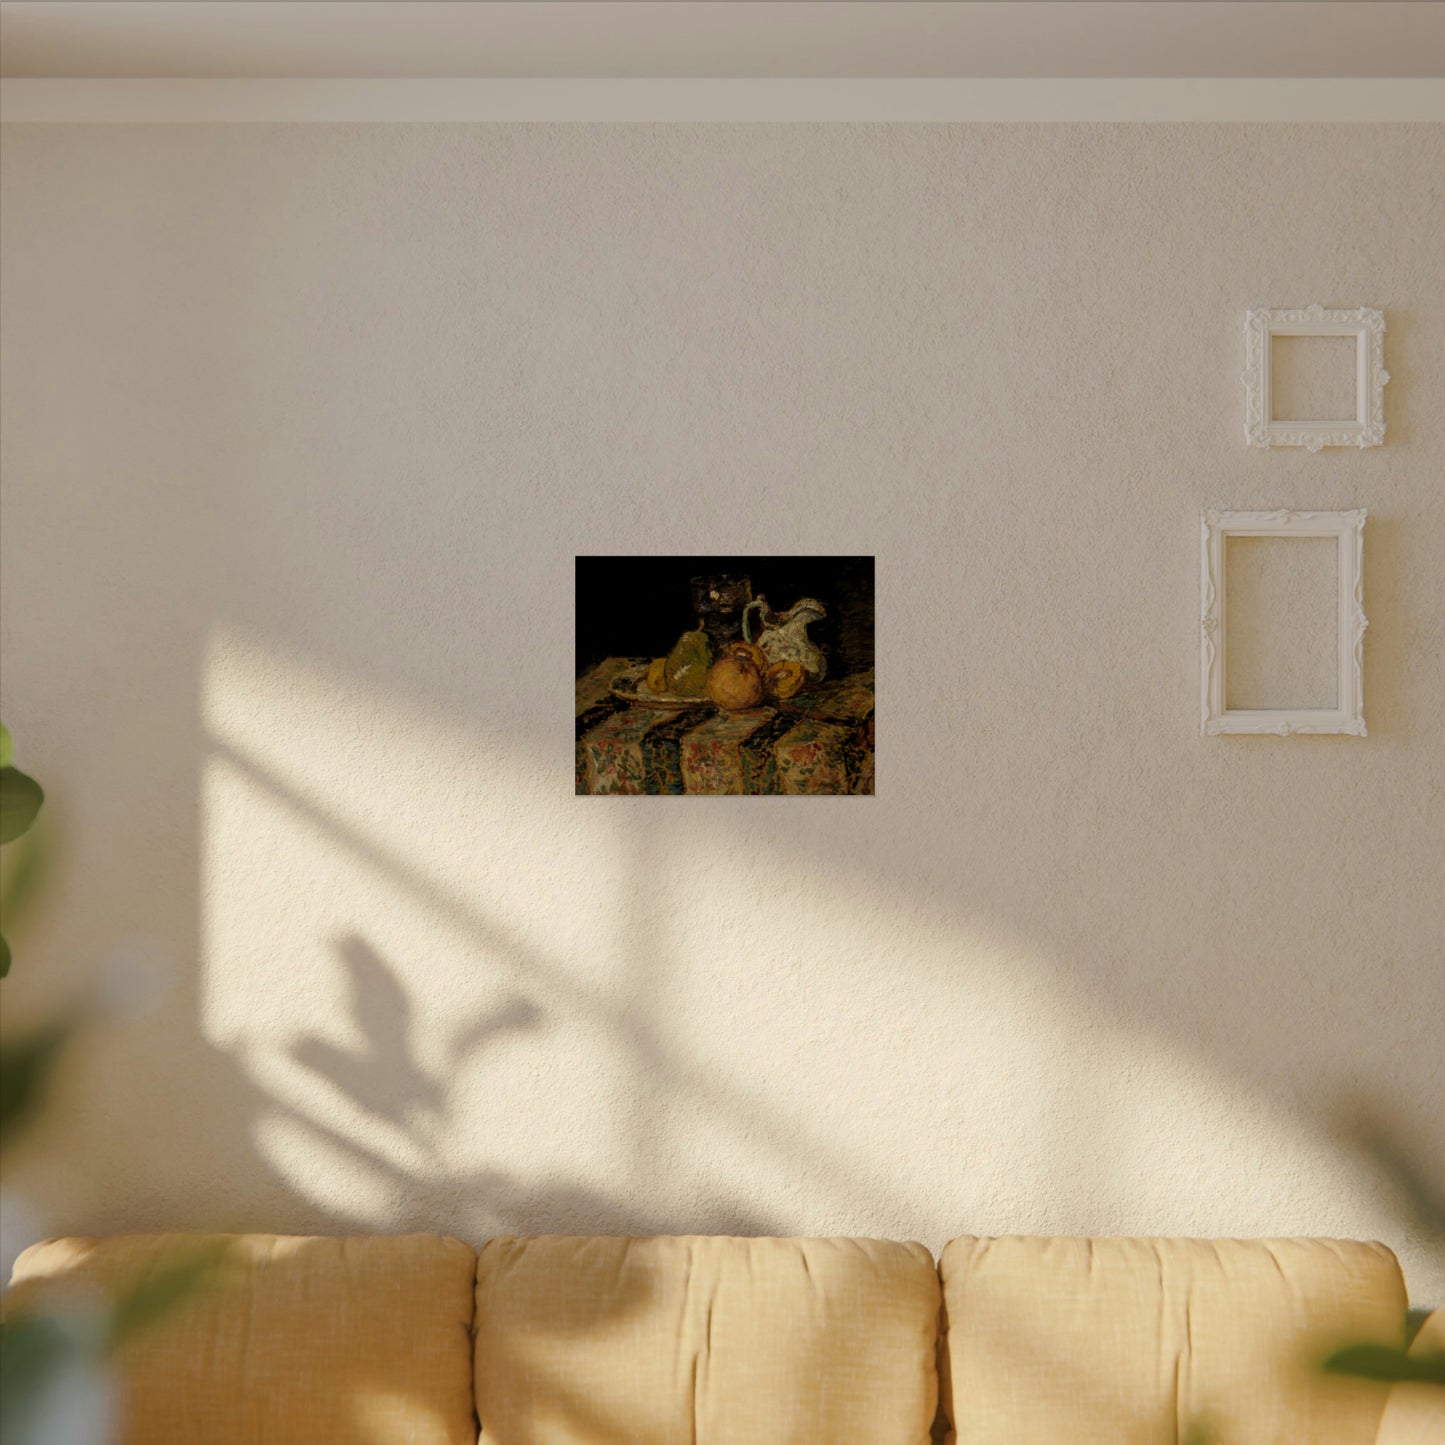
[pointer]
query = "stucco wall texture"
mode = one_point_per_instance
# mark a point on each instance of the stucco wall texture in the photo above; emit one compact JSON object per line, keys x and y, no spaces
{"x":304,"y":426}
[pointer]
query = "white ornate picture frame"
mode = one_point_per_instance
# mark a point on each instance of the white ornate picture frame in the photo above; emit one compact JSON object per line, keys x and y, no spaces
{"x":1348,"y":715}
{"x":1366,"y":428}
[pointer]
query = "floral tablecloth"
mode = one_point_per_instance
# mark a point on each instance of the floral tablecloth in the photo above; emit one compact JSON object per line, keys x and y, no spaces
{"x":817,"y":744}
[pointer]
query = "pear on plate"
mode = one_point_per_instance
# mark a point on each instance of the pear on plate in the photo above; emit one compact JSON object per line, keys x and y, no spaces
{"x":687,"y":665}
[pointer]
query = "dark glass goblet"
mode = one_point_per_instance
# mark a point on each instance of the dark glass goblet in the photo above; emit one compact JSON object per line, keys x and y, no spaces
{"x":717,"y":603}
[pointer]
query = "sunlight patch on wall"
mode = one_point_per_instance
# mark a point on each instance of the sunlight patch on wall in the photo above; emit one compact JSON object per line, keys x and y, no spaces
{"x":472,"y":1005}
{"x":364,"y":871}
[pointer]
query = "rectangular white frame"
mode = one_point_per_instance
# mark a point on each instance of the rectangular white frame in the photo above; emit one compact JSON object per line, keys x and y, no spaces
{"x":1365,"y":429}
{"x":1348,"y":715}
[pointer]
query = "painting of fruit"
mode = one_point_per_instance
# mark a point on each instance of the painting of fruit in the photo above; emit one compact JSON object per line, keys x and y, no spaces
{"x":718,"y":675}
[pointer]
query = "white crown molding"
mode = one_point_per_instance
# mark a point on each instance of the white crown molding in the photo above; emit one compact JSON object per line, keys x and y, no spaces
{"x":722,"y":100}
{"x":297,"y":39}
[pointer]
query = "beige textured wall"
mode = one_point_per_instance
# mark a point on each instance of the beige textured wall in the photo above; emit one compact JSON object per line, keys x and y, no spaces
{"x":303,"y":428}
{"x":1312,"y":378}
{"x":1281,"y":598}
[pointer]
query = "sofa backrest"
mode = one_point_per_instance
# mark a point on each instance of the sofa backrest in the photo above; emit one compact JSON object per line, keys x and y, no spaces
{"x":708,"y":1341}
{"x":716,"y":1341}
{"x":303,"y":1340}
{"x":1160,"y":1341}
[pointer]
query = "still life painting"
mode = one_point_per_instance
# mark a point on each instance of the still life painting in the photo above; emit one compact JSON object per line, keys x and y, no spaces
{"x":725,"y":675}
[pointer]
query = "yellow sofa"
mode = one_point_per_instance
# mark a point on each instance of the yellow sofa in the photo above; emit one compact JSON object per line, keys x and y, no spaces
{"x":548,"y":1340}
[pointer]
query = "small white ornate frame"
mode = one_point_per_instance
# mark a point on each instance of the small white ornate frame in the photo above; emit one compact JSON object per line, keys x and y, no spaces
{"x":1366,"y":428}
{"x":1348,"y":714}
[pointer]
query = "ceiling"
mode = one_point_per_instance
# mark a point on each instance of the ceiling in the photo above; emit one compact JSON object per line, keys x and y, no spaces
{"x":717,"y":38}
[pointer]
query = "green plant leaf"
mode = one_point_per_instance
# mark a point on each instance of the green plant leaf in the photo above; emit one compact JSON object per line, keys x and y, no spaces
{"x":23,"y":874}
{"x":51,"y":1370}
{"x":31,"y":1347}
{"x":1382,"y":1362}
{"x":20,"y":800}
{"x":25,"y":1065}
{"x":7,"y":747}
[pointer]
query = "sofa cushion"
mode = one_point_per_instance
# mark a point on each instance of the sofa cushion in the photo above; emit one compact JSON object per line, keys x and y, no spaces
{"x":359,"y":1341}
{"x":1146,"y":1341}
{"x":705,"y":1341}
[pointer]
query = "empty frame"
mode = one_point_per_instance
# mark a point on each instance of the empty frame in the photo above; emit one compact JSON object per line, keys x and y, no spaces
{"x":1364,"y":426}
{"x":1346,"y":616}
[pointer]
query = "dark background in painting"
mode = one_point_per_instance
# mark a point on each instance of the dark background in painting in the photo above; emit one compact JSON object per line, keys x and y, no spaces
{"x":640,"y":606}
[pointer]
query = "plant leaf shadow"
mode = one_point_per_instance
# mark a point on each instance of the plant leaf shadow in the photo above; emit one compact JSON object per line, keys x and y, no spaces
{"x":410,"y":1097}
{"x":385,"y":1077}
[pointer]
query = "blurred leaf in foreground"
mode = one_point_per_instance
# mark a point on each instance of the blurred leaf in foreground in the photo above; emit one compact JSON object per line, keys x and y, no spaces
{"x":23,"y":875}
{"x":25,"y":1067}
{"x":1382,"y":1362}
{"x":188,"y":1269}
{"x":53,"y":1386}
{"x":20,"y":800}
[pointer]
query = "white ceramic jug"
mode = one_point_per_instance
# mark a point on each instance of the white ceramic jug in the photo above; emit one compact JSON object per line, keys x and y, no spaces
{"x":783,"y":637}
